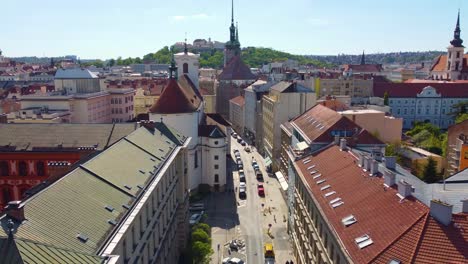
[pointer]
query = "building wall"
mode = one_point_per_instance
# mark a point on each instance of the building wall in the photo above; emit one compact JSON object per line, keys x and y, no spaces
{"x":155,"y":230}
{"x":82,"y":86}
{"x":210,"y":103}
{"x":236,"y":116}
{"x":427,"y":106}
{"x":14,"y":182}
{"x":387,"y":129}
{"x":192,"y":65}
{"x":142,"y":102}
{"x":187,"y":124}
{"x":278,"y":109}
{"x":453,"y":134}
{"x":225,"y":91}
{"x":313,"y":240}
{"x":214,"y":162}
{"x":353,"y":87}
{"x":121,"y":105}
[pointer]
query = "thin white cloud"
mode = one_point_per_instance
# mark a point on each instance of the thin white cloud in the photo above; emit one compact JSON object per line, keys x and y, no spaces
{"x":189,"y":17}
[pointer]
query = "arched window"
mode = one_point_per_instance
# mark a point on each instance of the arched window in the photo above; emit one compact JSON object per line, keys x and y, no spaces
{"x":40,"y":168}
{"x":4,"y":168}
{"x":185,"y":68}
{"x":23,"y":168}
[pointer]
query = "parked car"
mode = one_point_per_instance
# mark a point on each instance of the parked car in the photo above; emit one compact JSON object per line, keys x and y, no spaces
{"x":242,"y":192}
{"x":243,"y":184}
{"x":239,"y":140}
{"x":260,"y":190}
{"x":240,"y":166}
{"x":243,"y":143}
{"x":259,"y":174}
{"x":247,"y":149}
{"x":195,"y":218}
{"x":234,"y":135}
{"x":242,"y":178}
{"x":197,"y":207}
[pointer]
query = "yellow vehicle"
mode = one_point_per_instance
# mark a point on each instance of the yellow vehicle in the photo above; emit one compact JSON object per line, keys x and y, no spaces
{"x":269,"y":253}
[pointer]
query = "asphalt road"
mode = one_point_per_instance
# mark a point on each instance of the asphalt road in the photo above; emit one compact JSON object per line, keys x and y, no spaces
{"x":249,"y":210}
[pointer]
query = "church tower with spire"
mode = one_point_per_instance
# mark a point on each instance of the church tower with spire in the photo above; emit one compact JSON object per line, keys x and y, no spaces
{"x":188,"y":65}
{"x":232,"y":47}
{"x":455,"y":54}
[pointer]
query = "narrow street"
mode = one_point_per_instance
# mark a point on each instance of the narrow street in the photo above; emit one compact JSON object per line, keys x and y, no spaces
{"x":248,"y":219}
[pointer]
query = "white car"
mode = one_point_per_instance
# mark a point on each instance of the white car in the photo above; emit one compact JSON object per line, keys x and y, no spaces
{"x":242,"y":185}
{"x":195,"y":218}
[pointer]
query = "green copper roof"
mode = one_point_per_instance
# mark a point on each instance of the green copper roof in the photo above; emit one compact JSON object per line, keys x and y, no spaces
{"x":25,"y":251}
{"x":83,"y":201}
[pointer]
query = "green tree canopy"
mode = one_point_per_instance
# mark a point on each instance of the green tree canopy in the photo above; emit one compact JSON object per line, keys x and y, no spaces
{"x":462,"y":117}
{"x":200,"y":235}
{"x":430,"y":171}
{"x":205,"y":227}
{"x":201,"y":251}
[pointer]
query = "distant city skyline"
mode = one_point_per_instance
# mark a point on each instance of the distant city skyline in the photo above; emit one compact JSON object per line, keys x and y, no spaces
{"x":99,"y":30}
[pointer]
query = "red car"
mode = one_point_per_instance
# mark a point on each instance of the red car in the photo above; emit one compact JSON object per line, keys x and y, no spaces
{"x":260,"y":190}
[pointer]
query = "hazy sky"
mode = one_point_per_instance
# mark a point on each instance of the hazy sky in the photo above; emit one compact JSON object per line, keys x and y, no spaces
{"x":105,"y":29}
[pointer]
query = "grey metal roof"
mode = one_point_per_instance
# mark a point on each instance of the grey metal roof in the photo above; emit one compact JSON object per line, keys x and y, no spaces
{"x":32,"y":137}
{"x":76,"y":203}
{"x":74,"y":73}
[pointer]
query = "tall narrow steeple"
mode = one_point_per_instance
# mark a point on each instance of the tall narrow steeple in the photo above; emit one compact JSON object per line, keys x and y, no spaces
{"x":363,"y":58}
{"x":173,"y":68}
{"x":237,"y":32}
{"x":185,"y":44}
{"x":232,"y":29}
{"x":457,"y":41}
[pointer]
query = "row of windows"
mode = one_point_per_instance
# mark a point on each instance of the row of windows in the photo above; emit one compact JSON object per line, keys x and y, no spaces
{"x":426,"y":100}
{"x":5,"y":169}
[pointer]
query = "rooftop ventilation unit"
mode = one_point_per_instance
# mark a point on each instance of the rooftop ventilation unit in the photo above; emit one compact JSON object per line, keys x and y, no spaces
{"x":349,"y":220}
{"x":363,"y":241}
{"x":82,"y":238}
{"x":109,"y":208}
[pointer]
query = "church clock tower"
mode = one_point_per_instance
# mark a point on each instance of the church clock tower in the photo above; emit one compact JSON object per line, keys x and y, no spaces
{"x":455,"y":54}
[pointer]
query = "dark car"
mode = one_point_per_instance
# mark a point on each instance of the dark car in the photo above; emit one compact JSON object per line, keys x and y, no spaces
{"x":239,"y":140}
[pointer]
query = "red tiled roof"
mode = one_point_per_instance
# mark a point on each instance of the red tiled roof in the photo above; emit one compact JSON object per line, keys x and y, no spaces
{"x":363,"y":67}
{"x":175,"y":99}
{"x":334,"y":104}
{"x":239,"y":100}
{"x":236,"y":70}
{"x":330,"y":120}
{"x":378,"y":211}
{"x":449,"y":89}
{"x":441,"y":63}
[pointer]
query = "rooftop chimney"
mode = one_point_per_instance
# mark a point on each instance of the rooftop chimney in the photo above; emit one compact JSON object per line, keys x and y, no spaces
{"x":441,"y":211}
{"x":342,"y":144}
{"x":337,"y":140}
{"x":374,"y":167}
{"x":390,"y":162}
{"x":361,"y":160}
{"x":367,"y":163}
{"x":404,"y":188}
{"x":389,"y":178}
{"x":464,"y":205}
{"x":148,"y":124}
{"x":14,"y":209}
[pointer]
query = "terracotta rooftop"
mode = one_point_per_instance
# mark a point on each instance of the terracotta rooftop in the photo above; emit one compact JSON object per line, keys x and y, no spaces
{"x":174,"y":99}
{"x":236,"y":70}
{"x":334,"y":104}
{"x":441,"y":63}
{"x":239,"y":100}
{"x":379,"y":213}
{"x":318,"y":122}
{"x":447,"y":89}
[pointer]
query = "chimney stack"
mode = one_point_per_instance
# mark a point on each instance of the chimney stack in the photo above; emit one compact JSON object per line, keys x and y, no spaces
{"x":389,"y":178}
{"x":390,"y":162}
{"x":337,"y":140}
{"x":464,"y":205}
{"x":441,"y":211}
{"x":343,"y":144}
{"x":367,"y":163}
{"x":15,"y":210}
{"x":404,"y":188}
{"x":361,"y":160}
{"x":374,"y":167}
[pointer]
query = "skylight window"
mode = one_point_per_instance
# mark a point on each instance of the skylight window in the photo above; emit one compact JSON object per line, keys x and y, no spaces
{"x":330,"y":193}
{"x":321,"y":181}
{"x":312,"y":172}
{"x":363,"y":241}
{"x":335,"y":205}
{"x":316,"y":176}
{"x":112,"y":222}
{"x":306,"y":160}
{"x":335,"y":200}
{"x":325,"y":187}
{"x":314,"y":122}
{"x":109,"y":208}
{"x":318,"y":125}
{"x":311,"y":167}
{"x":142,"y":171}
{"x":349,"y":220}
